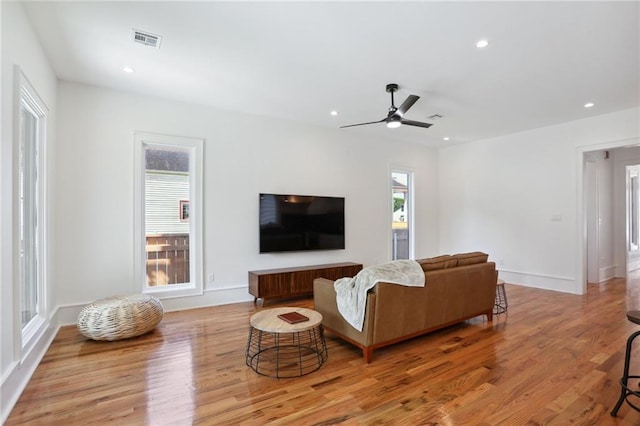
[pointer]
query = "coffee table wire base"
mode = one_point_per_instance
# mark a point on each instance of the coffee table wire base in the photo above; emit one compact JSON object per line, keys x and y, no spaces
{"x":283,"y":355}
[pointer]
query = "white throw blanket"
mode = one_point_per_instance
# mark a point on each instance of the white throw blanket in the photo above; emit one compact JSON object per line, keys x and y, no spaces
{"x":351,"y":293}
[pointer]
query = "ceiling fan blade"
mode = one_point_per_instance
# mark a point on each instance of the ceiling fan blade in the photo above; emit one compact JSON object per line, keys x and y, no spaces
{"x":408,"y":103}
{"x":416,"y":123}
{"x":363,"y":124}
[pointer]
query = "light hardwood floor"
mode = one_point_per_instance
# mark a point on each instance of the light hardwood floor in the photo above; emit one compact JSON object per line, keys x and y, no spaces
{"x":553,"y":359}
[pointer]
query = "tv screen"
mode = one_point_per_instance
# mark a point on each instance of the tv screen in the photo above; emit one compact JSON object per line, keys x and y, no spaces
{"x":301,"y":222}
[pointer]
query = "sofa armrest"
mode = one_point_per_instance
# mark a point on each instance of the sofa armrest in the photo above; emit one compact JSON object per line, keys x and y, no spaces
{"x":324,"y":300}
{"x":324,"y":296}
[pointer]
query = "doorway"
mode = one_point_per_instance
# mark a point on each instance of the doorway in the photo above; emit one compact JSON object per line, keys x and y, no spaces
{"x":608,"y":187}
{"x":633,"y":217}
{"x":602,"y":214}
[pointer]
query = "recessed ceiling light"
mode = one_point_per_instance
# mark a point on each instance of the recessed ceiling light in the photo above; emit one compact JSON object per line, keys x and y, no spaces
{"x":446,"y":138}
{"x":334,"y":113}
{"x":481,"y":44}
{"x":589,"y":104}
{"x":127,"y":69}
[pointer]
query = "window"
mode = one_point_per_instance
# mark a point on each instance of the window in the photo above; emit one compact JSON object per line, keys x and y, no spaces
{"x":168,"y":214}
{"x":184,"y":210}
{"x":401,"y":222}
{"x":31,"y":142}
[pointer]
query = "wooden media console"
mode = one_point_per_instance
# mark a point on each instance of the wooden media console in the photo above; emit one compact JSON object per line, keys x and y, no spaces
{"x":286,"y":283}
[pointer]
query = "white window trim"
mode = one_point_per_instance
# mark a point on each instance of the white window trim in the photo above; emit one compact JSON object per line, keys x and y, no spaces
{"x":26,"y":94}
{"x":410,"y":208}
{"x":195,"y":286}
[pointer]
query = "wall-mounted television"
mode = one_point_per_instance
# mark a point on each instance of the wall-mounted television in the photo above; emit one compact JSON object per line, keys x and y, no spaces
{"x":301,"y":222}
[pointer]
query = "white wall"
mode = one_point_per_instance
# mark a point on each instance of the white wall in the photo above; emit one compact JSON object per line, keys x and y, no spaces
{"x":244,"y":155}
{"x":518,"y":198}
{"x":19,"y":47}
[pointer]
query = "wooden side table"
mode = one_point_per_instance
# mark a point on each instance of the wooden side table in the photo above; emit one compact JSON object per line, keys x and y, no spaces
{"x":276,"y":348}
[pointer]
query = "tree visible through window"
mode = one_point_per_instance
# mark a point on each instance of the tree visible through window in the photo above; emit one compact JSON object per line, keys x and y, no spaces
{"x":401,"y":220}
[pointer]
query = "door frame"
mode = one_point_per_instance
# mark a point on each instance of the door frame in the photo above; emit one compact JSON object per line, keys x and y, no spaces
{"x":580,"y":285}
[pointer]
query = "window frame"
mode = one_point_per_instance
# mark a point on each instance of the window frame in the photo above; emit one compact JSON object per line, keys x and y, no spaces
{"x":28,"y":98}
{"x":409,"y":208}
{"x":195,"y":148}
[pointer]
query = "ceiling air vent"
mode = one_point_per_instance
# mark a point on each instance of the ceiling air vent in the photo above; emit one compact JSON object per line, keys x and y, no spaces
{"x":147,"y":39}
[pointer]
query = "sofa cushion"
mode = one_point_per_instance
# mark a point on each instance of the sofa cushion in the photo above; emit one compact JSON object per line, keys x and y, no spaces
{"x":471,"y":258}
{"x":438,"y":262}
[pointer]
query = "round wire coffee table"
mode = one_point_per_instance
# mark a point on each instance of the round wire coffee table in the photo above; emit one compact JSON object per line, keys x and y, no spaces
{"x":276,"y":348}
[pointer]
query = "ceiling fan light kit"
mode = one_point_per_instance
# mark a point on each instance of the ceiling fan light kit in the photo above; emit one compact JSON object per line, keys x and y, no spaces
{"x":395,"y":115}
{"x":394,"y":124}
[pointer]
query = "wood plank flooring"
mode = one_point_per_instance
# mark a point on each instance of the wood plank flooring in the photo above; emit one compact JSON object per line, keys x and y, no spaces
{"x":554,"y":359}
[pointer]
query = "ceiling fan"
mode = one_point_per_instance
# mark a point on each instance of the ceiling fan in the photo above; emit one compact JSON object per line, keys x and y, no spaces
{"x":395,"y":115}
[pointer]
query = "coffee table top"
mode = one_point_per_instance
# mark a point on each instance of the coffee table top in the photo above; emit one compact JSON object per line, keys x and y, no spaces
{"x":267,"y":320}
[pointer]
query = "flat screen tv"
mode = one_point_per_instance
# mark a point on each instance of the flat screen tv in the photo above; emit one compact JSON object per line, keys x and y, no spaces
{"x":301,"y":222}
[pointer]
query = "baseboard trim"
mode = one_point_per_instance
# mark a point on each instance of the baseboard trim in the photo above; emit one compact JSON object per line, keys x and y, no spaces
{"x":607,"y":273}
{"x":19,"y":374}
{"x":68,"y":314}
{"x":545,"y":282}
{"x":211,"y":297}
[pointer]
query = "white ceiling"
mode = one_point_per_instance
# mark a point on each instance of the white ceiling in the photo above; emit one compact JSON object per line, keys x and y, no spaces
{"x":301,"y":60}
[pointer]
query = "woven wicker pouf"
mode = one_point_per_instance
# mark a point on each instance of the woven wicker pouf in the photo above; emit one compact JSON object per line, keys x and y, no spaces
{"x":120,"y":317}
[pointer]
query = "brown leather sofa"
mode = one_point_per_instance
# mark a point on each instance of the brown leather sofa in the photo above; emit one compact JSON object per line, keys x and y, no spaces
{"x":456,"y":288}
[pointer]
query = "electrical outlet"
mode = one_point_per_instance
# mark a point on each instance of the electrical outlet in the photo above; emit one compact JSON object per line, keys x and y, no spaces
{"x":211,"y":278}
{"x":501,"y":262}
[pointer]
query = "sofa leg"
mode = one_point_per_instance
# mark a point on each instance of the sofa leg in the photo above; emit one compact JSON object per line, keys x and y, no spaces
{"x":490,"y":315}
{"x":368,"y":353}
